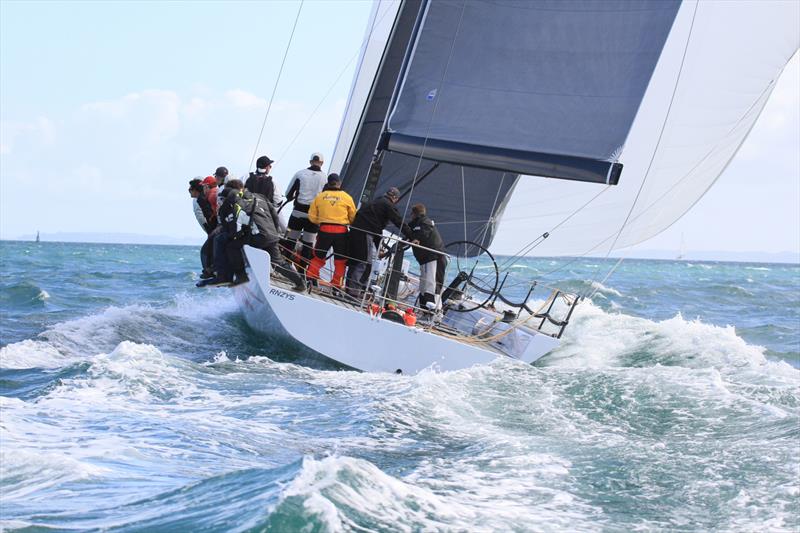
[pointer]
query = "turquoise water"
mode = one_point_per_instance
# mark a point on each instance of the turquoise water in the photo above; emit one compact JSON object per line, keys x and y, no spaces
{"x":133,"y":401}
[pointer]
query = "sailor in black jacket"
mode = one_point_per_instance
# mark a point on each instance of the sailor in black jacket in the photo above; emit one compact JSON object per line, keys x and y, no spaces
{"x":432,"y":258}
{"x":248,"y":219}
{"x":365,"y":236}
{"x":258,"y":224}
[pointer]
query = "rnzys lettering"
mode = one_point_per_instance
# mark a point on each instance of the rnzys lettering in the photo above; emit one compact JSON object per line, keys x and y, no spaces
{"x":282,"y":294}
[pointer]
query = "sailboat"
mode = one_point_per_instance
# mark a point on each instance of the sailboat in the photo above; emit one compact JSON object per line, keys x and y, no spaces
{"x":617,"y":114}
{"x":37,"y":236}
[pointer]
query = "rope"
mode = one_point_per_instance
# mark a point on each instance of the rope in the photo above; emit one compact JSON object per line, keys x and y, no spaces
{"x":533,"y":244}
{"x":275,"y":87}
{"x":464,"y":201}
{"x":494,"y":205}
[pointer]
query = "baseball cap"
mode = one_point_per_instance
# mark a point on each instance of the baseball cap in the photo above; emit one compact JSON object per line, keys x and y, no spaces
{"x":221,"y":172}
{"x":316,"y":156}
{"x":393,"y":193}
{"x":263,"y":162}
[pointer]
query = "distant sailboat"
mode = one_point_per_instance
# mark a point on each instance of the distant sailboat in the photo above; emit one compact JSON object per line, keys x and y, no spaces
{"x":682,"y":252}
{"x":37,"y":236}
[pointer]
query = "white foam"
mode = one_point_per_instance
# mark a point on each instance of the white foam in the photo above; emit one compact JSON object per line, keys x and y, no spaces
{"x":34,"y":354}
{"x":596,"y":338}
{"x":600,"y":288}
{"x":82,"y":338}
{"x":332,"y":483}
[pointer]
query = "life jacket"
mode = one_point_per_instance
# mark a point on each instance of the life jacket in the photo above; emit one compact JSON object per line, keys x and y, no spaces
{"x":262,"y":185}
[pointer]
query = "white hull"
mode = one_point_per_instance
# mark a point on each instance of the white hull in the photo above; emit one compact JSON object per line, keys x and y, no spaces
{"x":354,"y":338}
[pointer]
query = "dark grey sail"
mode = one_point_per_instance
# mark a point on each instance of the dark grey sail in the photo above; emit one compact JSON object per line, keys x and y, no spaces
{"x":544,"y":87}
{"x":373,"y":117}
{"x":491,"y":89}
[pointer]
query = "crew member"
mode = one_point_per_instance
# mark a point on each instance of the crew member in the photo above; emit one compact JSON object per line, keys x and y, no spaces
{"x":256,"y":224}
{"x":303,"y":188}
{"x":261,"y":183}
{"x":332,"y":210}
{"x":211,"y":190}
{"x":207,"y":220}
{"x":221,"y":176}
{"x":365,"y":235}
{"x":430,"y":254}
{"x":223,"y":234}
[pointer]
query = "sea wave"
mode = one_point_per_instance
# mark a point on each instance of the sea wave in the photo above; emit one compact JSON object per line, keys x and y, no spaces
{"x":597,"y":338}
{"x":600,"y":288}
{"x":81,"y":338}
{"x":23,"y":295}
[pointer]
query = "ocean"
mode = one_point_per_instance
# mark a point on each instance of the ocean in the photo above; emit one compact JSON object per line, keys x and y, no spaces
{"x":132,"y":401}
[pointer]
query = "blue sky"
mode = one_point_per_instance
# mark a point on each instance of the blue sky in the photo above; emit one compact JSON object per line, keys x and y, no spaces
{"x":107,"y":108}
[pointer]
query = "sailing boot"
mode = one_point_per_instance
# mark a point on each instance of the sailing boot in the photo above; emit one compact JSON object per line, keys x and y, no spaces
{"x":306,"y":253}
{"x":339,"y":266}
{"x":313,"y":269}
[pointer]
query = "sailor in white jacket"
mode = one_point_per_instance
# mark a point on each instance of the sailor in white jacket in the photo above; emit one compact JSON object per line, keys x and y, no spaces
{"x":305,"y":185}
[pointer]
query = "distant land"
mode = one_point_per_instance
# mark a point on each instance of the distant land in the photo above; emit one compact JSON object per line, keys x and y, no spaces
{"x":689,"y":255}
{"x":113,"y":238}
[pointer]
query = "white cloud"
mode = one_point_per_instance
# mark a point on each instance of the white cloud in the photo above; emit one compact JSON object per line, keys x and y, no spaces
{"x":130,"y":157}
{"x":244,"y":99}
{"x":40,"y":131}
{"x":160,"y":110}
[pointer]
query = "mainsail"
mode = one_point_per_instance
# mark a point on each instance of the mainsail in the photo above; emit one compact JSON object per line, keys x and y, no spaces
{"x":466,"y":95}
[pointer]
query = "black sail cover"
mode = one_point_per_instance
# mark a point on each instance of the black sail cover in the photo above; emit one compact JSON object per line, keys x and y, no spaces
{"x":497,"y":88}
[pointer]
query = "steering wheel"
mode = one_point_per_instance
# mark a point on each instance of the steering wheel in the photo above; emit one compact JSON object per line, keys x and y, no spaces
{"x":475,"y":276}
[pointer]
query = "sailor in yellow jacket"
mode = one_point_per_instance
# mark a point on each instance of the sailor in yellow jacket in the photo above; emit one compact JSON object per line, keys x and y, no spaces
{"x":332,"y":210}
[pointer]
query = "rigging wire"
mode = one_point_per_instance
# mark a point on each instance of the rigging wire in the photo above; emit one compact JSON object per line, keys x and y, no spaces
{"x":277,"y":81}
{"x":538,"y":240}
{"x":464,"y":201}
{"x":313,"y":113}
{"x":437,"y":98}
{"x":490,"y":220}
{"x":365,"y":42}
{"x":655,"y":150}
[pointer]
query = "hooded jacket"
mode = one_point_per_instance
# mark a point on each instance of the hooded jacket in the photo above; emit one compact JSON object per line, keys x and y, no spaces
{"x":424,"y":230}
{"x":258,"y":215}
{"x":229,"y":210}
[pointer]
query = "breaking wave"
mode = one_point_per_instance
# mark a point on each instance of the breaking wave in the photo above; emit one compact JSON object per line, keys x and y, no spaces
{"x":173,"y":325}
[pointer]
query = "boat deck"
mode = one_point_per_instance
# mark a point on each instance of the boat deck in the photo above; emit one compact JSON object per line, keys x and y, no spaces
{"x":328,"y":294}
